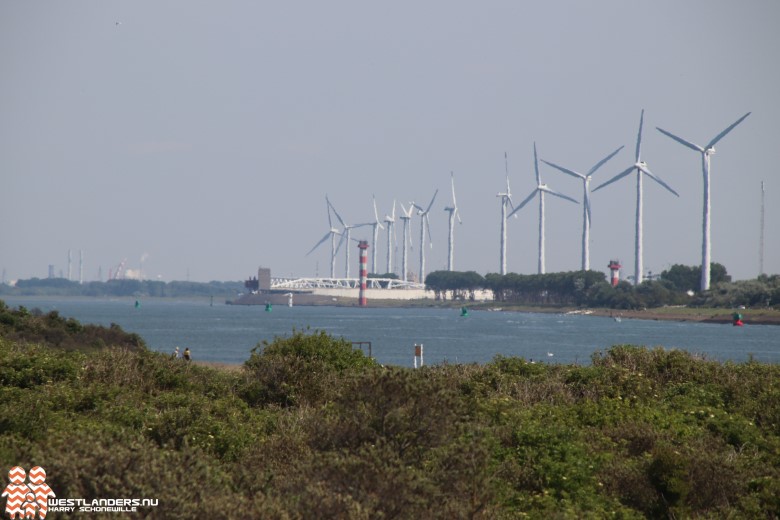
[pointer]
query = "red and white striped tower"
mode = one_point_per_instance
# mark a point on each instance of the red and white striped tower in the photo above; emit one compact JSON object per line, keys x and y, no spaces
{"x":614,"y":268}
{"x":363,"y":246}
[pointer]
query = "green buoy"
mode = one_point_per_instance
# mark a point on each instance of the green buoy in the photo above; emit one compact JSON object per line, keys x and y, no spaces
{"x":268,"y":307}
{"x":464,"y":311}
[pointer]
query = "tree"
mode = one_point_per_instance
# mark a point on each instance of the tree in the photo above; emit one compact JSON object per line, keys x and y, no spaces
{"x":687,"y":278}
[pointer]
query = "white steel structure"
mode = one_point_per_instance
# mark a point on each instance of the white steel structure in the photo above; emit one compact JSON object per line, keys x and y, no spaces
{"x":345,"y":234}
{"x":453,"y":211}
{"x":641,"y":169}
{"x":506,"y":198}
{"x":425,"y":224}
{"x":390,"y":223}
{"x":342,"y":283}
{"x":586,"y":215}
{"x":706,"y":152}
{"x":761,"y":234}
{"x":332,"y":232}
{"x":540,"y":189}
{"x":406,"y":216}
{"x":375,"y":225}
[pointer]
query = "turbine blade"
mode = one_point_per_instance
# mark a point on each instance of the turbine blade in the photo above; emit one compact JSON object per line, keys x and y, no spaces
{"x":603,"y":161}
{"x":639,"y":135}
{"x":564,"y":170}
{"x":327,"y":206}
{"x":526,"y":201}
{"x":376,"y":213}
{"x":536,"y":167}
{"x":681,"y":140}
{"x":323,"y":239}
{"x":428,"y":226}
{"x":506,"y":169}
{"x":341,"y":241}
{"x":727,"y":130}
{"x":558,"y":194}
{"x":616,"y":177}
{"x":337,"y":214}
{"x":432,"y":199}
{"x":657,"y":179}
{"x":452,"y":182}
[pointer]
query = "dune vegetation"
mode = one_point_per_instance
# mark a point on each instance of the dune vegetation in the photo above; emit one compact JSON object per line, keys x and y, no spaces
{"x":310,"y":428}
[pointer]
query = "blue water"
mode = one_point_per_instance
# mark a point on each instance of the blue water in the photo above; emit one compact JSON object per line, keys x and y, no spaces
{"x":227,"y":334}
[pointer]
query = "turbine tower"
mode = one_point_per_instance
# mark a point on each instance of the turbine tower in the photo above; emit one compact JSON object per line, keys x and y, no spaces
{"x":390,"y":222}
{"x":406,"y":216}
{"x":761,"y":234}
{"x":332,"y":232}
{"x":425,"y":223}
{"x":586,"y":216}
{"x":345,"y":234}
{"x":541,"y":189}
{"x":375,"y":225}
{"x":641,"y":169}
{"x":453,"y":211}
{"x":706,"y":152}
{"x":506,"y":198}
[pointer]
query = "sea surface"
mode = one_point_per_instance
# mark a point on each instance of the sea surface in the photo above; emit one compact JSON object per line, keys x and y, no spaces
{"x":228,"y":333}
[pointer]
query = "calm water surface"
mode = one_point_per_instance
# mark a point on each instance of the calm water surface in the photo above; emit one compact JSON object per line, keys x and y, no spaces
{"x":228,"y":333}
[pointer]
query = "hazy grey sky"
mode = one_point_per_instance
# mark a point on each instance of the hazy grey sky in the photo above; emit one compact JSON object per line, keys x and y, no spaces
{"x":203,"y":136}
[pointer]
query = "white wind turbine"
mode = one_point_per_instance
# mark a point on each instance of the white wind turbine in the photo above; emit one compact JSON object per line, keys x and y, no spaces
{"x":453,"y":211}
{"x":586,"y":216}
{"x":375,"y":225}
{"x":706,"y":152}
{"x":506,"y":198}
{"x":345,"y":234}
{"x":641,"y":170}
{"x":540,"y":189}
{"x":390,"y":223}
{"x":332,"y":235}
{"x":406,"y":216}
{"x":425,"y":223}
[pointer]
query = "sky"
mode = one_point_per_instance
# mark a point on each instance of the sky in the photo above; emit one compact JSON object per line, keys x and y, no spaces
{"x":197,"y":140}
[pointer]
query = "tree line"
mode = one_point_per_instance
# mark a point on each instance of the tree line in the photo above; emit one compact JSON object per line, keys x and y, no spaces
{"x":125,"y":287}
{"x":675,"y":286}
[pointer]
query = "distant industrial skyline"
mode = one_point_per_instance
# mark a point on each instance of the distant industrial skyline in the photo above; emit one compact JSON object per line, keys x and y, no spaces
{"x":197,"y":141}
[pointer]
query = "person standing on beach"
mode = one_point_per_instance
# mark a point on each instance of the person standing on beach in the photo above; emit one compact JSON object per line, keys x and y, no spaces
{"x":187,"y":354}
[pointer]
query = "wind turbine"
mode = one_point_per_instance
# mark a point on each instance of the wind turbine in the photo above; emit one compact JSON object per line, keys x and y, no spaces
{"x":586,"y":216}
{"x":390,"y":222}
{"x":706,"y":152}
{"x":375,"y":225}
{"x":332,"y":235}
{"x":424,"y":223}
{"x":345,"y":234}
{"x":641,"y":169}
{"x":406,"y":216}
{"x":541,"y":189}
{"x":506,"y":198}
{"x":453,"y":211}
